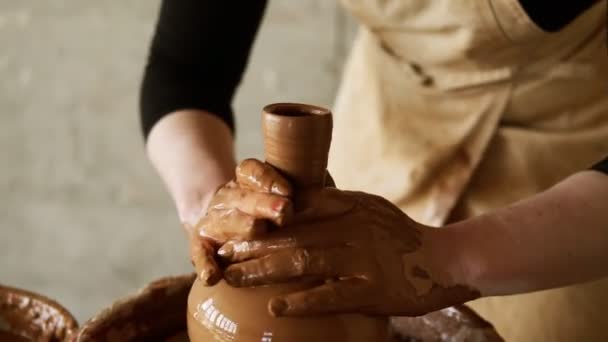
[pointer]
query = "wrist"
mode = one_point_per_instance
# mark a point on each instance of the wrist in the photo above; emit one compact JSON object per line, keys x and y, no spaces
{"x":193,"y":184}
{"x":192,"y":151}
{"x":450,"y":257}
{"x":192,"y":200}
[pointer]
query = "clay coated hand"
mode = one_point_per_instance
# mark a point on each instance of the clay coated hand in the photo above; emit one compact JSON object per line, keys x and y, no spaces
{"x":366,"y":255}
{"x":241,"y":209}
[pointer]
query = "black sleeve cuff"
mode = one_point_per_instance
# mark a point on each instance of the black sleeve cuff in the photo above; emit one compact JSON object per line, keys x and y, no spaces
{"x":168,"y":87}
{"x":198,"y":55}
{"x":554,"y":15}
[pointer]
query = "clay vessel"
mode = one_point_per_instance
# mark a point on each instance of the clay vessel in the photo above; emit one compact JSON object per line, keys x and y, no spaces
{"x":27,"y":316}
{"x":158,"y":313}
{"x":296,"y":142}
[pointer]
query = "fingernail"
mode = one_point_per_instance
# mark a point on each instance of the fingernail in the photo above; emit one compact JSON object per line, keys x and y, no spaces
{"x":233,"y":276}
{"x":210,"y":276}
{"x":284,"y":215}
{"x":277,"y":306}
{"x":226,"y":251}
{"x":204,"y":276}
{"x":278,"y":205}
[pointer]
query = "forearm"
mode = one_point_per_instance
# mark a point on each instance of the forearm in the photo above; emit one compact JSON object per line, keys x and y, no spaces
{"x":196,"y":61}
{"x":556,"y":238}
{"x":193,"y":153}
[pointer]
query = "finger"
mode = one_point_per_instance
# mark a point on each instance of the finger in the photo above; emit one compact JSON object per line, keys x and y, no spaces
{"x":201,"y":253}
{"x":321,"y":235}
{"x":323,"y":204}
{"x":258,"y":176}
{"x":261,"y":205}
{"x":231,"y":224}
{"x":344,"y":296}
{"x":294,"y":263}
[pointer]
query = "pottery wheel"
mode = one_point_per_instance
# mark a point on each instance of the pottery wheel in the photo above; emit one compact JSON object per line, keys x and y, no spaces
{"x":158,"y":313}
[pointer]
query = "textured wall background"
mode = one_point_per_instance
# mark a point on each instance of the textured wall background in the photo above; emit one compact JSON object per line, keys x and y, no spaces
{"x":83,"y":218}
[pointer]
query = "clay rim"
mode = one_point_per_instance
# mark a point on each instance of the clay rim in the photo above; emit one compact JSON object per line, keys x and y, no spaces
{"x":67,"y":326}
{"x":112,"y":318}
{"x":117,"y":316}
{"x":295,"y":110}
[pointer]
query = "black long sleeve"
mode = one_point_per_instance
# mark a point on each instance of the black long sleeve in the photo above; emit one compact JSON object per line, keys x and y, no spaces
{"x":552,"y":16}
{"x":601,"y":166}
{"x":197,"y":57}
{"x":201,"y":47}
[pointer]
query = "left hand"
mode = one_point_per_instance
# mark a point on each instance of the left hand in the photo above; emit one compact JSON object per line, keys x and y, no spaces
{"x":367,"y":255}
{"x":255,"y":201}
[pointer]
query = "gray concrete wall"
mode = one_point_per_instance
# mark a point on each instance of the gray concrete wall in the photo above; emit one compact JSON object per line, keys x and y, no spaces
{"x":83,"y":218}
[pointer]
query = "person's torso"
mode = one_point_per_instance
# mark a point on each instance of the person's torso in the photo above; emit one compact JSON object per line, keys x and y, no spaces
{"x":468,"y":104}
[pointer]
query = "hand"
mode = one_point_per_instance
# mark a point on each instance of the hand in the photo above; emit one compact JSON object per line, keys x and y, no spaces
{"x":366,"y":254}
{"x":242,"y":209}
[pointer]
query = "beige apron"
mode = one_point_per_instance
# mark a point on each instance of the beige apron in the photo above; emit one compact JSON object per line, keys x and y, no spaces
{"x":450,"y":108}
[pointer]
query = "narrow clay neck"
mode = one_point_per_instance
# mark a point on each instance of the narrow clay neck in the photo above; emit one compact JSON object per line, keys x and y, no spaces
{"x":296,"y":141}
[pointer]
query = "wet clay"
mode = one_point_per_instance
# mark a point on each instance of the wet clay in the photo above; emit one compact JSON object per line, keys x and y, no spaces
{"x":27,"y":316}
{"x":181,"y":337}
{"x":224,"y":313}
{"x":357,"y":239}
{"x":155,"y":313}
{"x":296,"y":143}
{"x":164,"y":301}
{"x":9,"y":337}
{"x":454,"y":324}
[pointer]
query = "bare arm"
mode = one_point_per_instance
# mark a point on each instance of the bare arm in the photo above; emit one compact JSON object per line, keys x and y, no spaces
{"x":556,"y":238}
{"x":196,"y":61}
{"x":193,"y":153}
{"x":388,"y":264}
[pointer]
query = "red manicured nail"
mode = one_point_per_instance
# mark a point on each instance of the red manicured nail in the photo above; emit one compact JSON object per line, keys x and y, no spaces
{"x":278,"y":205}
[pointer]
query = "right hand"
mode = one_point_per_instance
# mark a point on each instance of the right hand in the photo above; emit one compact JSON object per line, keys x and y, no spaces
{"x":242,"y":209}
{"x":367,"y":255}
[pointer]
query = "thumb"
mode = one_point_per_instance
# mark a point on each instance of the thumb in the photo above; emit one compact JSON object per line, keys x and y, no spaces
{"x":202,"y":252}
{"x":344,"y":296}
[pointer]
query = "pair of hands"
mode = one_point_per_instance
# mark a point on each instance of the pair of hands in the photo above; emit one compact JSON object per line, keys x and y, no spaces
{"x":370,"y":257}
